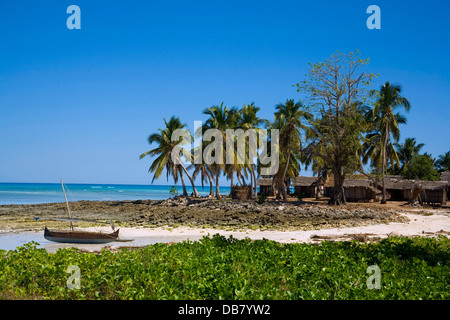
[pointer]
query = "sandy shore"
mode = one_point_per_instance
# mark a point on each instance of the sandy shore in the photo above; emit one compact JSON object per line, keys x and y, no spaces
{"x":418,"y":225}
{"x":226,"y":214}
{"x":146,"y":222}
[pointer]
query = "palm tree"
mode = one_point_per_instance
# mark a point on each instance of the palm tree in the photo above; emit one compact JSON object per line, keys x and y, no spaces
{"x":407,"y":150}
{"x":374,"y":140}
{"x":389,"y":99}
{"x":205,"y":174}
{"x":443,"y":162}
{"x":221,"y":118}
{"x":288,"y":119}
{"x":249,"y":120}
{"x":164,"y":153}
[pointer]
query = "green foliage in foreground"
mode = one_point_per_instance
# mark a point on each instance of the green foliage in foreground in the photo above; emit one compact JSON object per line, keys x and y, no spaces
{"x":226,"y":268}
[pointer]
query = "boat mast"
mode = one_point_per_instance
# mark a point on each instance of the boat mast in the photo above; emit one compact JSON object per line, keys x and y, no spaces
{"x":67,"y":204}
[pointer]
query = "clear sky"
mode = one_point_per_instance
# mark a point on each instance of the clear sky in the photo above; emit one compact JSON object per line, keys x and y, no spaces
{"x":80,"y":104}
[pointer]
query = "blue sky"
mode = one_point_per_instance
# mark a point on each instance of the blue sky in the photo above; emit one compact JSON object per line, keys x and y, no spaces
{"x":80,"y":104}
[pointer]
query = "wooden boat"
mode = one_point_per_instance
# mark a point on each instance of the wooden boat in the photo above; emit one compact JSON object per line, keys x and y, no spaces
{"x":74,"y":236}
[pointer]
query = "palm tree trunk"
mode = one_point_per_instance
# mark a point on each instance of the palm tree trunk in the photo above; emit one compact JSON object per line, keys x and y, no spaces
{"x":244,"y":183}
{"x":251,"y":185}
{"x":211,"y":191}
{"x":217,"y":185}
{"x":232,"y":177}
{"x":239,"y":178}
{"x":254,"y":179}
{"x":196,"y":194}
{"x":284,"y":192}
{"x":272,"y":187}
{"x":383,"y":199}
{"x":280,"y":187}
{"x":184,"y":187}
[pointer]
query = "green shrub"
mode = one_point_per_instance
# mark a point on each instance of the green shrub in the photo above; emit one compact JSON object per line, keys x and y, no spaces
{"x":173,"y":191}
{"x":227,"y":268}
{"x":262,"y":198}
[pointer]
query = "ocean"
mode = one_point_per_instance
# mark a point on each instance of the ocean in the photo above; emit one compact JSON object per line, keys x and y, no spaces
{"x":34,"y":193}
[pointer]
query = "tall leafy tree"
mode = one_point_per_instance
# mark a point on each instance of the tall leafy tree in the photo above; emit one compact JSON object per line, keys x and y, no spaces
{"x":389,"y":99}
{"x":163,"y":152}
{"x":421,"y":167}
{"x":336,"y":91}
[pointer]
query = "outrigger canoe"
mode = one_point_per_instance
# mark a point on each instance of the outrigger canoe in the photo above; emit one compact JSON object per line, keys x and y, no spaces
{"x":74,"y":236}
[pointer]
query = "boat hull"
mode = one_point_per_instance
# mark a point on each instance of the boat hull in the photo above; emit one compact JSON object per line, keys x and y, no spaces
{"x":64,"y":236}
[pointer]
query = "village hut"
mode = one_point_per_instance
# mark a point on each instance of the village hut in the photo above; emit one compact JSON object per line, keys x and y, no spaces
{"x":357,"y":188}
{"x":445,"y":176}
{"x":397,"y":188}
{"x":305,"y":186}
{"x":241,"y":192}
{"x":265,"y":186}
{"x":433,"y":192}
{"x":360,"y":190}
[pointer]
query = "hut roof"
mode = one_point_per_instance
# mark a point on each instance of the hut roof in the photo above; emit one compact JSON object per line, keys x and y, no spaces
{"x":359,"y":182}
{"x":392,"y":182}
{"x":433,"y":185}
{"x":405,"y":184}
{"x":445,"y":176}
{"x":264,"y":182}
{"x":330,"y":180}
{"x":301,"y":181}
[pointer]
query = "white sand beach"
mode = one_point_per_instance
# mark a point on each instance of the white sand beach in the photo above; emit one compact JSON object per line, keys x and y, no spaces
{"x":419,"y":224}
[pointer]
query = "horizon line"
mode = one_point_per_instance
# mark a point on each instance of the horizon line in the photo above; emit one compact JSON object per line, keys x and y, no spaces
{"x":117,"y":184}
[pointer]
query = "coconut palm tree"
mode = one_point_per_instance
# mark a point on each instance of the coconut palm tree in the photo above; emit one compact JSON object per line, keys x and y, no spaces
{"x":374,"y":140}
{"x":407,"y":150}
{"x":443,"y":162}
{"x":164,"y":153}
{"x":205,"y":174}
{"x":248,"y":119}
{"x":220,"y":118}
{"x":388,"y":99}
{"x":288,"y":119}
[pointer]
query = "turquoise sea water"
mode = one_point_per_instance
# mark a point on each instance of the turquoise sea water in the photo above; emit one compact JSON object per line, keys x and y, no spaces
{"x":32,"y":193}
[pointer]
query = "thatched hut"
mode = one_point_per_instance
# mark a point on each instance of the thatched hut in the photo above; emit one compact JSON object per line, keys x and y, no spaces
{"x":445,"y":176}
{"x":360,"y":190}
{"x":397,"y":188}
{"x":357,"y":188}
{"x":265,"y":186}
{"x":434,"y":192}
{"x":241,"y":192}
{"x":305,"y":186}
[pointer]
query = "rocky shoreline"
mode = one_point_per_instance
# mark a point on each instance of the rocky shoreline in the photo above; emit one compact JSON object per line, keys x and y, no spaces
{"x":200,"y":212}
